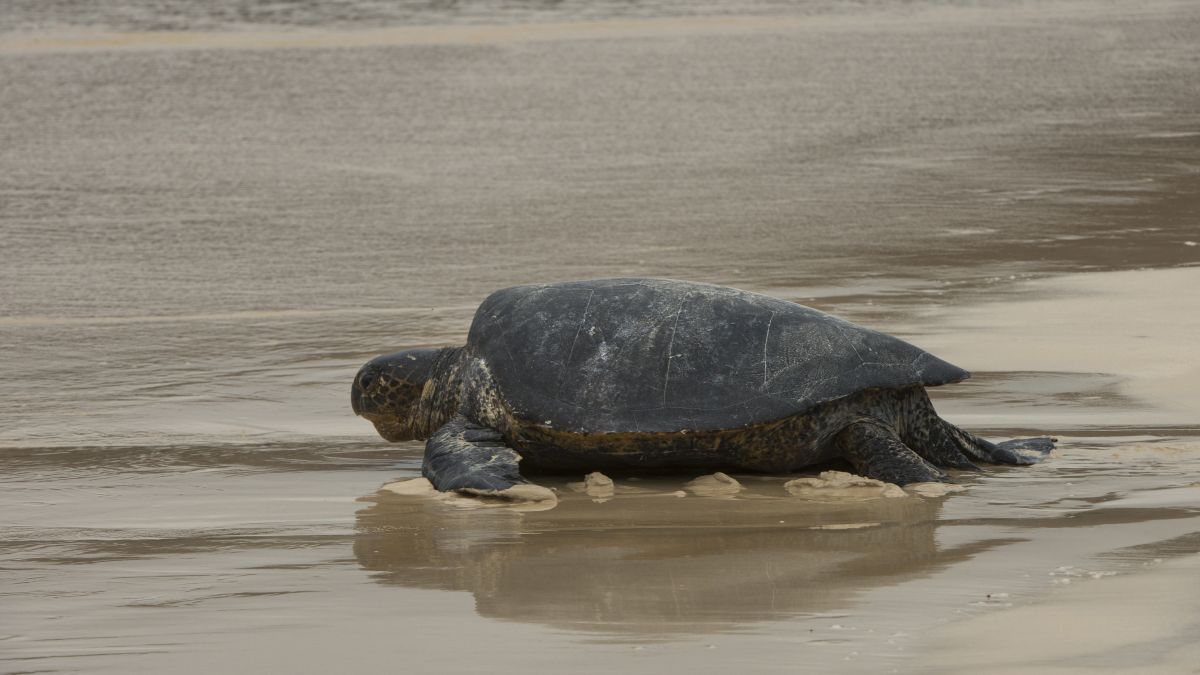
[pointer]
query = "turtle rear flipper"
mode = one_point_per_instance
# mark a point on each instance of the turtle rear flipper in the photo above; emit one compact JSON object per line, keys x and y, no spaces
{"x":465,"y":457}
{"x":1017,"y":452}
{"x":1023,"y":451}
{"x":876,"y":452}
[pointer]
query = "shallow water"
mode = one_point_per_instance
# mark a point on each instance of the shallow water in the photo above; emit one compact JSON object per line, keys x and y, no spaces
{"x":204,"y":235}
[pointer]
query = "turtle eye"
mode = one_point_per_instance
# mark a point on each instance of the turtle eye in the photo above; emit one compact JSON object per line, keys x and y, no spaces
{"x":366,"y":380}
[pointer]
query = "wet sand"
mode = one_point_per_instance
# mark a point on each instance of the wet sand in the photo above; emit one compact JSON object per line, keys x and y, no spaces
{"x":1138,"y":623}
{"x":202,"y":244}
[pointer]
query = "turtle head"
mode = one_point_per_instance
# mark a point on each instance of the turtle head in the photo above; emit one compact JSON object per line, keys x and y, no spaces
{"x":394,"y":392}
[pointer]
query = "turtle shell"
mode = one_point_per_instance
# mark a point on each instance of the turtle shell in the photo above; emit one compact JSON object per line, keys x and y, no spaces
{"x":657,"y":355}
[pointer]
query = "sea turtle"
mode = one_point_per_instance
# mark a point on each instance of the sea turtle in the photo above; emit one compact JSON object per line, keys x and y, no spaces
{"x":655,"y":374}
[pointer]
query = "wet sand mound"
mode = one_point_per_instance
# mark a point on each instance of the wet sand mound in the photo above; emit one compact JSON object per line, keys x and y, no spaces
{"x":713,"y":485}
{"x":839,"y":485}
{"x":597,"y":485}
{"x":519,"y":497}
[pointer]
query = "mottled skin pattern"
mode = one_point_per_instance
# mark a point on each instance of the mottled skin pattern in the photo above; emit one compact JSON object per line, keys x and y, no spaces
{"x":780,"y":446}
{"x":861,"y":398}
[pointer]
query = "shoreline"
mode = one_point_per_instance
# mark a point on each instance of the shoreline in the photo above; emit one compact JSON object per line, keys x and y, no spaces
{"x":211,"y":231}
{"x":433,"y":34}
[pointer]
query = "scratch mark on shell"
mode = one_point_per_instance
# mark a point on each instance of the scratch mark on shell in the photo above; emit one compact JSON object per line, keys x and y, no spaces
{"x":837,"y":324}
{"x":767,"y":341}
{"x":582,"y":320}
{"x":670,"y":349}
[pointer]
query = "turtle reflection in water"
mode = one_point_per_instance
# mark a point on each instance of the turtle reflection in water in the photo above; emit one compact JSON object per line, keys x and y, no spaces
{"x":629,"y":375}
{"x":649,"y":563}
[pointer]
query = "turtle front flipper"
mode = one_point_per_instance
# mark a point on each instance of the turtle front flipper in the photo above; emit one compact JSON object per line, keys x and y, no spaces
{"x":877,"y":452}
{"x":465,"y":457}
